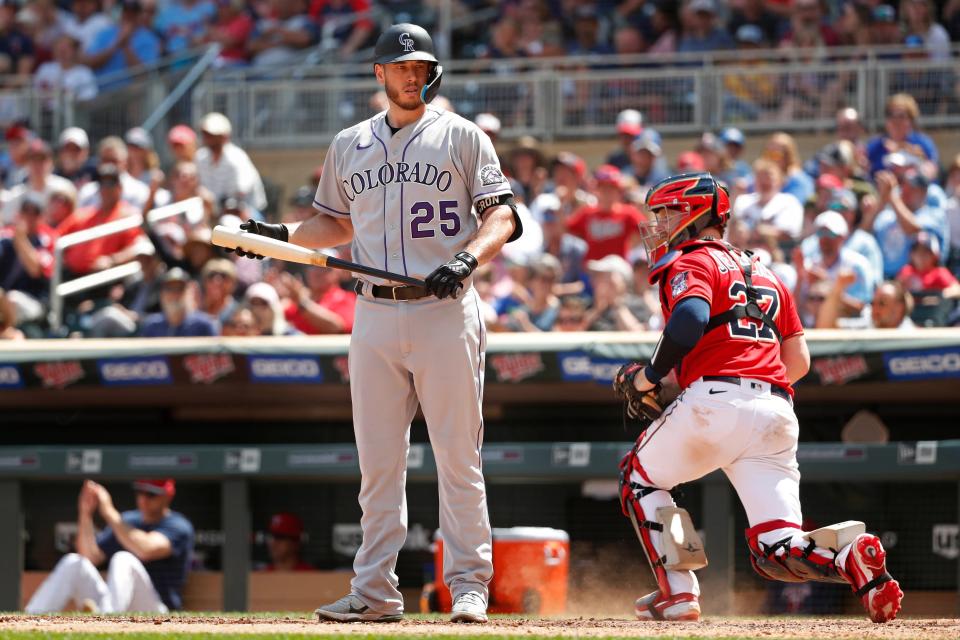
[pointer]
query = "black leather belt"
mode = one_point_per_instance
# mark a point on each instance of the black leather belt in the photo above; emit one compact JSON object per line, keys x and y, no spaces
{"x":774,"y":389}
{"x":401,"y":292}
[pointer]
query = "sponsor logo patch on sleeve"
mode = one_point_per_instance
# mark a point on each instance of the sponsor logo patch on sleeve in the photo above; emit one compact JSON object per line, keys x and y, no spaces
{"x":490,"y":175}
{"x":679,"y":283}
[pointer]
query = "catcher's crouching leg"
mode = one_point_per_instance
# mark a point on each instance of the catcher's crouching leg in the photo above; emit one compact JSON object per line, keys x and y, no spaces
{"x":839,"y":553}
{"x":677,"y":595}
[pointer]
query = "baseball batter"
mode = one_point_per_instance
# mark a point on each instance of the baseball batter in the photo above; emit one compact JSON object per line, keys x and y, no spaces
{"x":418,"y":191}
{"x":733,"y":338}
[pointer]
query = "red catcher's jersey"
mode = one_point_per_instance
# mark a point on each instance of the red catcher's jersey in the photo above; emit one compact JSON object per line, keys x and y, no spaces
{"x":745,"y":348}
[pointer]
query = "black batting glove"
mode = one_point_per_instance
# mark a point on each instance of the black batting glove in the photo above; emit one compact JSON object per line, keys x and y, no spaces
{"x":445,"y":280}
{"x":275,"y":231}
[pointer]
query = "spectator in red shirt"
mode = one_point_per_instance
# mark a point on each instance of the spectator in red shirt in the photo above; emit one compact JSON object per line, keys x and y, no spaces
{"x":334,"y":19}
{"x":26,"y":259}
{"x":284,"y":541}
{"x":924,"y":271}
{"x":231,"y":29}
{"x":107,"y":251}
{"x":610,"y":226}
{"x":320,"y":306}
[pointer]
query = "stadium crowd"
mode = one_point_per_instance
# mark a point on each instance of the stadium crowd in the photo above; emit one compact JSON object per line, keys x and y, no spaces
{"x":866,"y":232}
{"x":81,"y":45}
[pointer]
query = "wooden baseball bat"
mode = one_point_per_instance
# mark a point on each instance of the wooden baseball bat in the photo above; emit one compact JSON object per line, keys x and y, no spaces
{"x":231,"y":238}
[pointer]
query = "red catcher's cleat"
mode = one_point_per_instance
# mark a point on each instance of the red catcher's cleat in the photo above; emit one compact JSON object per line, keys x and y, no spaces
{"x":680,"y":607}
{"x":866,"y":571}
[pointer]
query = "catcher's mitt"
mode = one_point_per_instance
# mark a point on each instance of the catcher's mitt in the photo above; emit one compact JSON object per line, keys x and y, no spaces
{"x":642,"y":406}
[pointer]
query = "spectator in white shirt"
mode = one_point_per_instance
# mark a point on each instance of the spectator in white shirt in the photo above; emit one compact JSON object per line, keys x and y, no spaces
{"x":768,"y":210}
{"x":40,"y":183}
{"x":65,"y":73}
{"x":224,"y":168}
{"x":87,"y":21}
{"x":113,"y":150}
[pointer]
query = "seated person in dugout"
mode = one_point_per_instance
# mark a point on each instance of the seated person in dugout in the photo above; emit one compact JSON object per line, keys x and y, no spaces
{"x":146,"y":551}
{"x":284,"y":540}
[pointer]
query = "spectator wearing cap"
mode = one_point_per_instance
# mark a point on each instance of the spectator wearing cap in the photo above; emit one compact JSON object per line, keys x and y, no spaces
{"x":121,"y":47}
{"x":919,"y":17}
{"x":735,"y":142}
{"x":17,"y":53}
{"x":849,"y":127}
{"x":231,"y":29}
{"x":817,"y":273}
{"x":886,"y":29}
{"x":754,"y":13}
{"x":17,"y":137}
{"x":701,"y":31}
{"x":224,"y":168}
{"x":528,"y":167}
{"x":901,"y":116}
{"x":647,"y":166}
{"x":278,"y":38}
{"x":113,"y":150}
{"x":108,"y":251}
{"x":177,"y":317}
{"x":565,"y":193}
{"x":73,"y":157}
{"x":264,"y":301}
{"x":142,"y":160}
{"x":629,"y":125}
{"x":320,"y":306}
{"x":350,"y":34}
{"x":586,"y":32}
{"x":301,"y":205}
{"x":747,"y":95}
{"x":839,"y":159}
{"x":614,"y":306}
{"x":610,"y":226}
{"x":906,"y":211}
{"x":781,"y":148}
{"x":565,"y":247}
{"x":147,"y":552}
{"x":183,"y":143}
{"x":768,"y":210}
{"x":924,"y":272}
{"x":26,"y":260}
{"x":65,"y":73}
{"x":61,"y":203}
{"x":40,"y":180}
{"x":844,"y":202}
{"x":489,"y":124}
{"x":715,"y":159}
{"x":182,"y":24}
{"x":218,"y":282}
{"x":240,"y":324}
{"x":285,"y":537}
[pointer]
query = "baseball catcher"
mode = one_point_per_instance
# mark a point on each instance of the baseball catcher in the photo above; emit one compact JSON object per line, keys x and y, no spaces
{"x":733,"y":338}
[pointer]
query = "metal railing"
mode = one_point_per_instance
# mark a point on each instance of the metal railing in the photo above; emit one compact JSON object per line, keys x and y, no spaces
{"x":191,"y":209}
{"x":580,"y":97}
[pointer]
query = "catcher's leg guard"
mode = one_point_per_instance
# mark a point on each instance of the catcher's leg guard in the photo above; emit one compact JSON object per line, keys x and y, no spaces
{"x":780,"y":550}
{"x":863,"y":563}
{"x":678,"y":591}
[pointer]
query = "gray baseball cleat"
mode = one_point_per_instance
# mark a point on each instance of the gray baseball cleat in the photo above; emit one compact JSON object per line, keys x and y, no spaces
{"x":350,"y":608}
{"x":469,"y":607}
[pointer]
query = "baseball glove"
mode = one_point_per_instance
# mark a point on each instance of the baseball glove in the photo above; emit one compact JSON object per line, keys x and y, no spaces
{"x":642,"y":406}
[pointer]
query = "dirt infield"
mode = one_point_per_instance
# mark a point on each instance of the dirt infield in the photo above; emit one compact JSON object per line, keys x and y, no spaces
{"x":765,"y":628}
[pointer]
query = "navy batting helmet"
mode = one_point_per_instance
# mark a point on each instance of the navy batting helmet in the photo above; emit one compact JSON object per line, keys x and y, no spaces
{"x":405,"y":41}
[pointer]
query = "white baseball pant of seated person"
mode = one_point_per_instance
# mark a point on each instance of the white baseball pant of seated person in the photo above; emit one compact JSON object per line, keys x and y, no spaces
{"x":127,"y":587}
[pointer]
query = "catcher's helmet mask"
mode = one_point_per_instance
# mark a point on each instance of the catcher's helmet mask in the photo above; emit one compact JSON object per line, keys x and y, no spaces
{"x":680,"y":207}
{"x":409,"y":42}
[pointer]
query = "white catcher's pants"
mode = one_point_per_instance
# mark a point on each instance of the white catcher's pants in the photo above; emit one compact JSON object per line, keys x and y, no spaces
{"x":127,"y":588}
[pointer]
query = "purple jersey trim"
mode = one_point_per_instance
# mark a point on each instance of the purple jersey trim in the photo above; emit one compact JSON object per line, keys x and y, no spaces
{"x":403,"y":158}
{"x":385,"y":159}
{"x":480,"y":352}
{"x":320,"y":205}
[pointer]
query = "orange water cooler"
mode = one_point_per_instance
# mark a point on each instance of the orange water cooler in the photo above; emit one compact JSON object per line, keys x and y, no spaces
{"x":530,"y":570}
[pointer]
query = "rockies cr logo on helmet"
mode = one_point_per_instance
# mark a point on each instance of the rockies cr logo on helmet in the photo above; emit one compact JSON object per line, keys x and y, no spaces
{"x":406,"y":42}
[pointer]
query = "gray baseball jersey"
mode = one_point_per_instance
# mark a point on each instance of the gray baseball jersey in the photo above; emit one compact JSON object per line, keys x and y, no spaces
{"x":412,"y":199}
{"x":411,"y":195}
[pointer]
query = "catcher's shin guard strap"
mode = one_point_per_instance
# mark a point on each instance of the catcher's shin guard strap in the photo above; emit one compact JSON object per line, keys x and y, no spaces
{"x":781,"y":560}
{"x":643,"y":526}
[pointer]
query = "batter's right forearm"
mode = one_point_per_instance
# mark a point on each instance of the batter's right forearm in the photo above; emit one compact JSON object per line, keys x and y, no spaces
{"x":321,"y":231}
